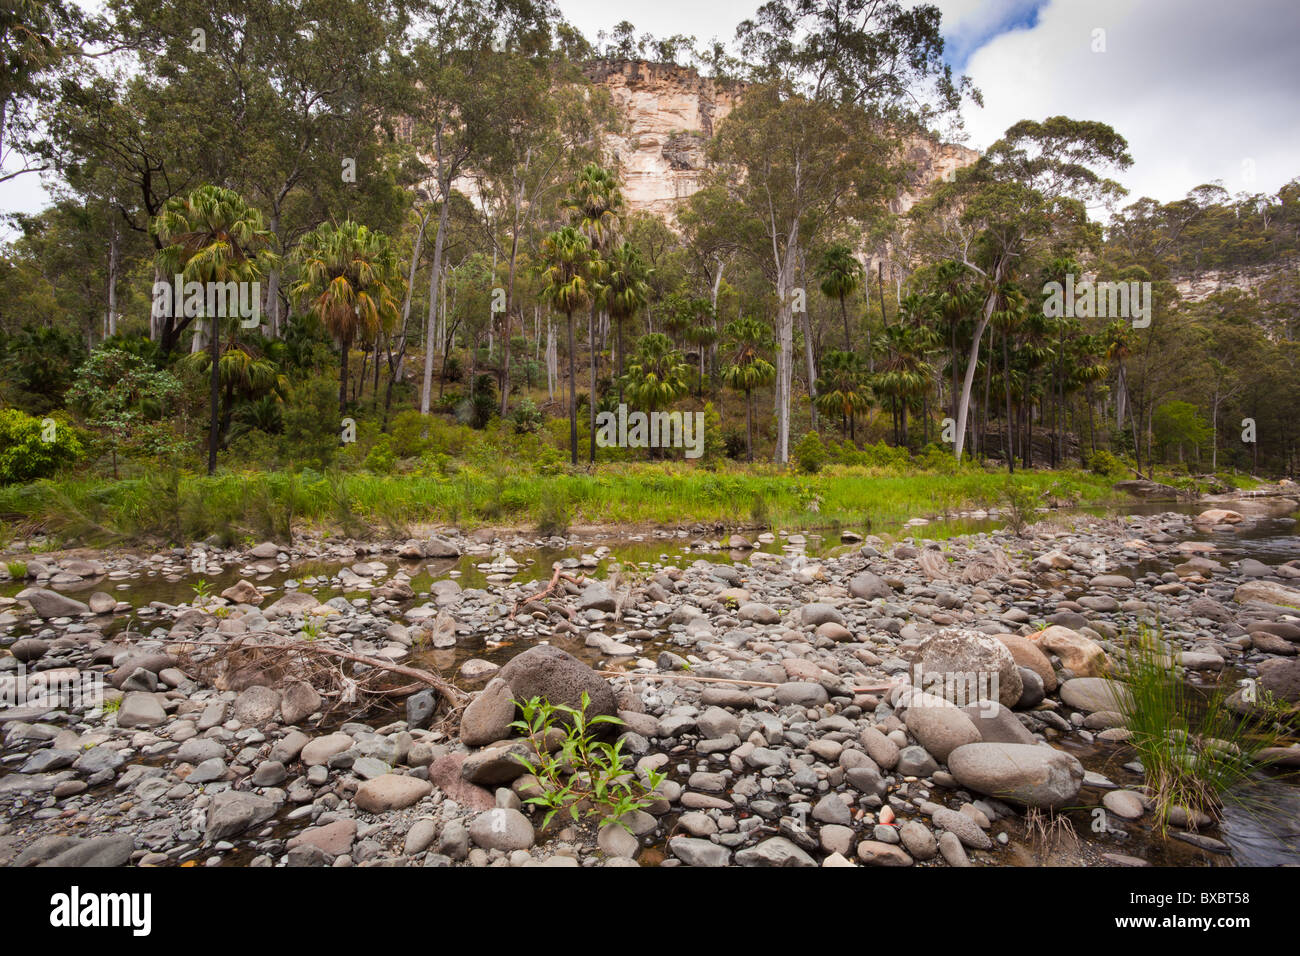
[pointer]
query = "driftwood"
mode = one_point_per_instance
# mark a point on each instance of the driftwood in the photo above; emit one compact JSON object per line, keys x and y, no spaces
{"x":876,"y":689}
{"x":549,"y":591}
{"x":454,"y":698}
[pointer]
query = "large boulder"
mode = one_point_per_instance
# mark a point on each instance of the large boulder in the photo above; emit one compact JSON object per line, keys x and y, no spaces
{"x":1027,"y":654}
{"x":1083,"y":657}
{"x":488,"y":716}
{"x":939,"y":726}
{"x":49,"y":604}
{"x":560,"y":678}
{"x":1280,"y":676}
{"x":963,"y":666}
{"x":1091,"y":694}
{"x":1035,"y":776}
{"x":1268,"y":592}
{"x":391,"y":791}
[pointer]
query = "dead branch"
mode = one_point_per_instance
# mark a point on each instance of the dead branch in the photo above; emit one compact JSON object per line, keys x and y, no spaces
{"x":549,"y":591}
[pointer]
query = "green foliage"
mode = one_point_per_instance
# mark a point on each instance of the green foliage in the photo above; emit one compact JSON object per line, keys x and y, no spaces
{"x":526,"y":417}
{"x":554,"y":512}
{"x":1102,"y":462}
{"x":1196,"y":752}
{"x":130,"y":402}
{"x":810,"y":454}
{"x":1019,"y":502}
{"x":25,"y":452}
{"x":584,"y":775}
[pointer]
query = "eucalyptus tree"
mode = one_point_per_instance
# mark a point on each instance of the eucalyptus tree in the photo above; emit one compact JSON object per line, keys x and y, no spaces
{"x":834,"y":84}
{"x":566,"y":255}
{"x":461,"y":66}
{"x":1027,"y":194}
{"x":211,"y":235}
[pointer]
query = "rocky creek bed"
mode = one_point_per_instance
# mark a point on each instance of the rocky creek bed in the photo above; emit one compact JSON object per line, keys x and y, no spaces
{"x":773,"y":685}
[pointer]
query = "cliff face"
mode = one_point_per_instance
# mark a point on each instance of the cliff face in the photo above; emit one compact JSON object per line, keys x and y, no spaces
{"x":670,"y":112}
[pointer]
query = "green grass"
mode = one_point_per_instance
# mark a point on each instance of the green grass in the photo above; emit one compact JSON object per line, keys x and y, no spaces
{"x":17,"y":570}
{"x":1197,"y":753}
{"x":181,"y":508}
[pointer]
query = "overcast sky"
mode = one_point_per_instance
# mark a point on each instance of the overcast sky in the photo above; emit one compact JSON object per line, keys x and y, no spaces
{"x":1203,"y":90}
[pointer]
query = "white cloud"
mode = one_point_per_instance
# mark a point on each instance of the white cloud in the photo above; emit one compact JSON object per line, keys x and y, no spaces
{"x":1200,"y":92}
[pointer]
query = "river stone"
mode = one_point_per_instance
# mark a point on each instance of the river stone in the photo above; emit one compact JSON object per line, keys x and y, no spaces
{"x":1266,"y":591}
{"x":198,"y":749}
{"x":29,"y":649}
{"x":615,"y":841}
{"x":391,"y":791}
{"x":299,"y":701}
{"x":696,"y":852}
{"x":141,"y":710}
{"x":1281,"y":677}
{"x":494,"y":766}
{"x":1091,"y":694}
{"x":879,"y":747}
{"x":869,"y":586}
{"x":939,"y":726}
{"x":803,"y":693}
{"x":293,"y":602}
{"x":101,"y":603}
{"x":243,"y":592}
{"x":59,"y":851}
{"x":813,"y":615}
{"x":597,"y":597}
{"x":488,"y":716}
{"x":963,"y":827}
{"x":997,"y":725}
{"x":233,"y":811}
{"x":560,"y":678}
{"x":333,"y":839}
{"x":775,"y":851}
{"x":502,"y":829}
{"x":257,"y":705}
{"x":875,"y":853}
{"x":1032,"y":694}
{"x":317,"y":752}
{"x":50,"y":604}
{"x":758,"y":613}
{"x":1124,"y":803}
{"x":1036,"y":776}
{"x":1083,"y":657}
{"x":961,"y":665}
{"x":918,"y":840}
{"x":445,"y":774}
{"x":1215,"y":516}
{"x":1028,"y":654}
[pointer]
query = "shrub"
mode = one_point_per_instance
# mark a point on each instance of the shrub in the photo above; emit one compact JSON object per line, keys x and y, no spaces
{"x":810,"y":454}
{"x":32,"y":448}
{"x":1105,"y":464}
{"x":526,"y":417}
{"x":553,"y":511}
{"x":585,"y":775}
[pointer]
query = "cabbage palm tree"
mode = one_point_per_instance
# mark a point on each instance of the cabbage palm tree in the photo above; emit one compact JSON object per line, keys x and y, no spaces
{"x":841,"y":276}
{"x":842,"y":389}
{"x":656,"y":376}
{"x":595,"y":206}
{"x":904,"y":375}
{"x":566,"y":288}
{"x":212,"y":235}
{"x":244,"y":375}
{"x":747,"y":370}
{"x":349,"y":280}
{"x":627,"y":291}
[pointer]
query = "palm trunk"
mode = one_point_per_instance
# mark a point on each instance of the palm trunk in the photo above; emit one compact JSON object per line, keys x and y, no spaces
{"x":573,"y":397}
{"x":591,"y":346}
{"x":214,"y":394}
